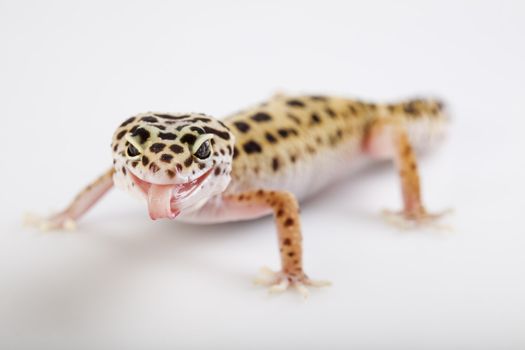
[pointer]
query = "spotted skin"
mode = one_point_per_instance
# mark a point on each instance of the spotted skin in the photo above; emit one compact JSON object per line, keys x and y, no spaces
{"x":265,"y":159}
{"x":285,"y":209}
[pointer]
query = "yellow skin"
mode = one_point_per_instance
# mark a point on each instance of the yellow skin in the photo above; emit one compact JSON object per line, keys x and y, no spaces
{"x":263,"y":160}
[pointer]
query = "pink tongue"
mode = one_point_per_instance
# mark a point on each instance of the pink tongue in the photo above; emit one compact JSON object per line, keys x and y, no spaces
{"x":159,"y":202}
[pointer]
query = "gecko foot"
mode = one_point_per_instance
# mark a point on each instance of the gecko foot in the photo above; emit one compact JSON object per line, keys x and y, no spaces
{"x":406,"y":220}
{"x":281,"y":281}
{"x":54,"y":222}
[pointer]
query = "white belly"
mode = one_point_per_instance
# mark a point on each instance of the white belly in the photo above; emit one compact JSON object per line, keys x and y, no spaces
{"x":304,"y":179}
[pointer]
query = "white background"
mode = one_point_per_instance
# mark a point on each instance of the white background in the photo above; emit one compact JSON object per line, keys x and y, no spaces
{"x":70,"y":73}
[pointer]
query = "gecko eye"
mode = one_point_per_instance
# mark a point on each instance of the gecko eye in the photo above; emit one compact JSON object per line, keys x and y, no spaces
{"x":203,"y":151}
{"x":132,"y":151}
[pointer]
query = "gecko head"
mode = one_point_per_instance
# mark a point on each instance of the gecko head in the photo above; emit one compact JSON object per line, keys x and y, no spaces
{"x":176,"y":162}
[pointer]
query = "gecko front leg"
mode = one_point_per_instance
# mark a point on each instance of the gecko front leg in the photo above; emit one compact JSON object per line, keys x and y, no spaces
{"x":79,"y":206}
{"x":286,"y":213}
{"x":388,"y":138}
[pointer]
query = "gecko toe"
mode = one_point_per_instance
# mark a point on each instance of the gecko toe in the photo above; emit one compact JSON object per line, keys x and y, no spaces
{"x":278,"y":282}
{"x":54,"y":222}
{"x":408,"y":221}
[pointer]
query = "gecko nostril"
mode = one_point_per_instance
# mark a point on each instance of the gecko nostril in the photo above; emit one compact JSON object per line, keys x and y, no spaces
{"x":166,"y":158}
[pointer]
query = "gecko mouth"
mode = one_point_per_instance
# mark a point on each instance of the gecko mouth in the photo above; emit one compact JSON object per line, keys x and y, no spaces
{"x":164,"y":199}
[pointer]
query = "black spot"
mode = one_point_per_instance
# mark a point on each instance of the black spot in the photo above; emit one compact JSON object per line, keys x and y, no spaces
{"x":197,"y":130}
{"x":217,"y":171}
{"x":315,"y":119}
{"x":275,"y":164}
{"x":133,"y":129}
{"x":115,"y":147}
{"x":199,"y":119}
{"x":179,"y":167}
{"x":242,"y":126}
{"x":172,"y":117}
{"x":318,"y":98}
{"x":283,"y":133}
{"x":293,"y":158}
{"x":167,"y":136}
{"x":222,"y":152}
{"x":130,"y":120}
{"x":145,"y":160}
{"x":261,"y":117}
{"x":289,"y":222}
{"x":230,"y":150}
{"x":176,"y":148}
{"x":235,"y":152}
{"x":166,"y":158}
{"x":223,"y":125}
{"x":352,"y":109}
{"x":134,"y":164}
{"x":142,"y":133}
{"x":188,"y":138}
{"x":121,"y":134}
{"x":270,"y":138}
{"x":410,"y":108}
{"x":330,"y":112}
{"x":170,"y":173}
{"x":149,"y":119}
{"x":294,"y":118}
{"x":287,"y":241}
{"x":295,"y":103}
{"x":252,"y":147}
{"x":202,"y":166}
{"x":222,"y":134}
{"x":188,"y":161}
{"x":160,"y":127}
{"x":124,"y":171}
{"x":157,"y":147}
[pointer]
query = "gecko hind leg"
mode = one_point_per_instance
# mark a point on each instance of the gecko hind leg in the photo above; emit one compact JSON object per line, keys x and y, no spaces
{"x":388,"y":138}
{"x":66,"y":219}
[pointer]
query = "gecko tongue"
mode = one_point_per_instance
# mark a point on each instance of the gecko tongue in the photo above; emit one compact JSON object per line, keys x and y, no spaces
{"x":159,"y":202}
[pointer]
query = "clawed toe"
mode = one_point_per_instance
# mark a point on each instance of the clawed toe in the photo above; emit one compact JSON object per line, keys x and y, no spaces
{"x":405,"y":220}
{"x":55,"y":222}
{"x":280,"y":281}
